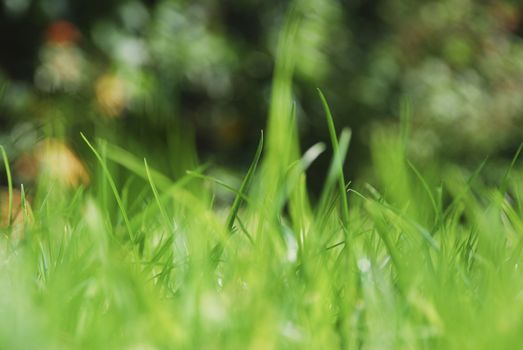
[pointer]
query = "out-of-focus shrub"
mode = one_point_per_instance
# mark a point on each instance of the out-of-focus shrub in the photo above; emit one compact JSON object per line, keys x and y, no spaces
{"x":140,"y":68}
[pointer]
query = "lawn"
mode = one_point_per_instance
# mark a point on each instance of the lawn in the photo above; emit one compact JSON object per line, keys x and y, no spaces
{"x":410,"y":258}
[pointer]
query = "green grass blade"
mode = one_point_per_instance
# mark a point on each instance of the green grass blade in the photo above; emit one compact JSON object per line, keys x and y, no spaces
{"x":504,"y":182}
{"x":335,"y":147}
{"x":9,"y":186}
{"x":132,"y":163}
{"x":157,"y":196}
{"x":218,"y":182}
{"x":217,"y":250}
{"x":26,"y":213}
{"x":427,"y":190}
{"x":113,"y":187}
{"x":243,"y":187}
{"x":465,"y":190}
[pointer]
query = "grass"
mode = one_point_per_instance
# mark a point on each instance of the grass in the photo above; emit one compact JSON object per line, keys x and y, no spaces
{"x":418,"y":259}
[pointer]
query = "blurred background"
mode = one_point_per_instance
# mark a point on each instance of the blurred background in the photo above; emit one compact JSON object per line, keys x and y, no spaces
{"x":157,"y":76}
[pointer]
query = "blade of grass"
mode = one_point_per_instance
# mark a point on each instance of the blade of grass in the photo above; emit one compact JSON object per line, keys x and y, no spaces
{"x":156,"y":196}
{"x":243,"y":187}
{"x":504,"y":182}
{"x":332,"y":175}
{"x":427,"y":189}
{"x":218,"y":182}
{"x":244,"y":230}
{"x":335,"y":147}
{"x":131,"y":162}
{"x":460,"y":196}
{"x":163,"y":183}
{"x":9,"y":186}
{"x":113,"y":187}
{"x":217,"y":250}
{"x":26,"y":210}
